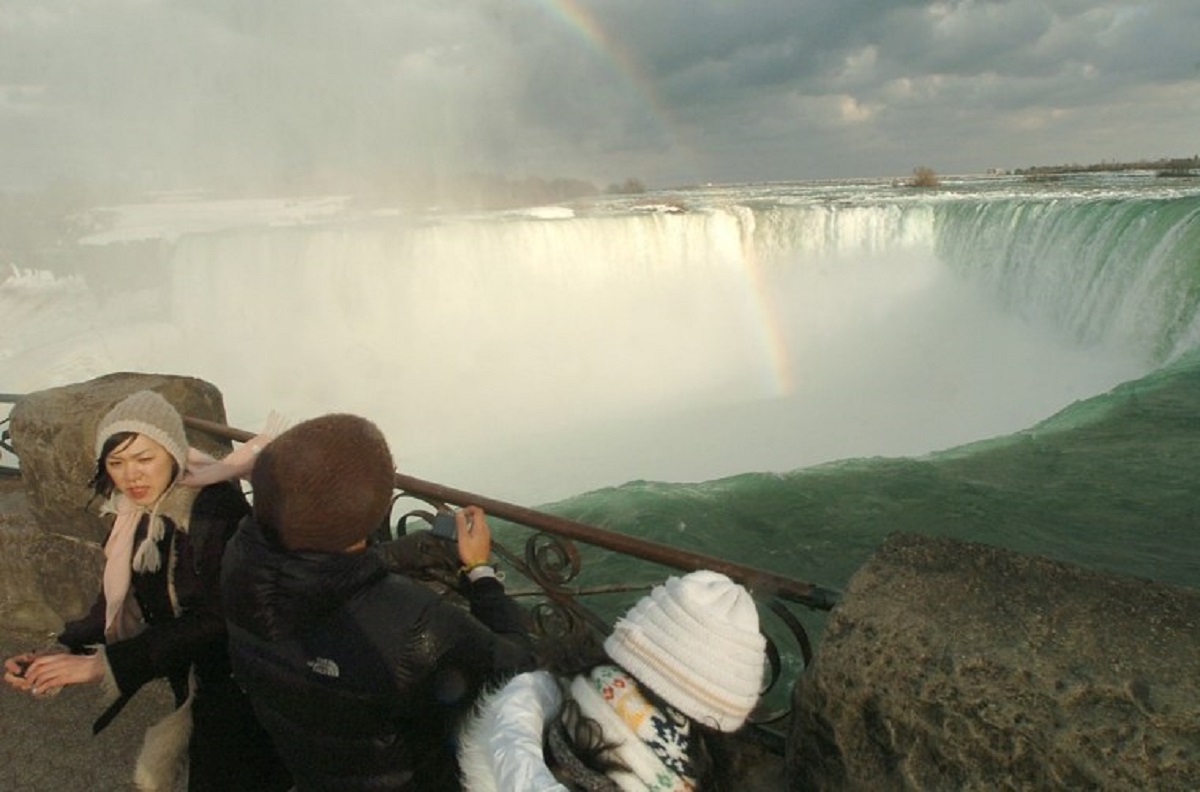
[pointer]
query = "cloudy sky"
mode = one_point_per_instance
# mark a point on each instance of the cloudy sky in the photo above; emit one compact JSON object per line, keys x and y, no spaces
{"x":184,"y":93}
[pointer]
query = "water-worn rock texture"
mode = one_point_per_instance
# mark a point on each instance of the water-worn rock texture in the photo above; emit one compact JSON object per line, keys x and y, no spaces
{"x":50,"y":531}
{"x":951,"y":665}
{"x":44,"y":577}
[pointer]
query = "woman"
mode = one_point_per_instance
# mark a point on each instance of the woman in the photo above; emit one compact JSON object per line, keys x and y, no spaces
{"x":159,"y":612}
{"x":683,"y":668}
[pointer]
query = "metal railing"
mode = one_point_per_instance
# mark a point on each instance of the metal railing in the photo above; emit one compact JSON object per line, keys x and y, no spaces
{"x":760,"y":581}
{"x":552,"y":563}
{"x":7,"y":452}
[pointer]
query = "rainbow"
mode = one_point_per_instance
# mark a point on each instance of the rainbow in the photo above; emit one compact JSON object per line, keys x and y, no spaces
{"x":772,"y":335}
{"x":583,"y":23}
{"x":774,"y":338}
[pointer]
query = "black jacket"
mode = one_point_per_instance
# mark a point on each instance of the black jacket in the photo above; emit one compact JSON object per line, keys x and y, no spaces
{"x":171,"y":645}
{"x":362,"y":675}
{"x":227,"y":750}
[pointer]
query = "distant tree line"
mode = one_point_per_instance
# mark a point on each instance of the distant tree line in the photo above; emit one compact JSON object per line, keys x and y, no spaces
{"x":482,"y":191}
{"x":39,"y":229}
{"x":41,"y":224}
{"x":1167,"y":166}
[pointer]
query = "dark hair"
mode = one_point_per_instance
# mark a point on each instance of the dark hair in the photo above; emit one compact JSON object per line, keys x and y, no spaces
{"x":102,"y":484}
{"x":708,"y":748}
{"x":585,"y":735}
{"x":581,"y":651}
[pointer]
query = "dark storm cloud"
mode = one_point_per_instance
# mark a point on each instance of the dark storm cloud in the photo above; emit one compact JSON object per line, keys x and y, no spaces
{"x":272,"y":94}
{"x":950,"y":79}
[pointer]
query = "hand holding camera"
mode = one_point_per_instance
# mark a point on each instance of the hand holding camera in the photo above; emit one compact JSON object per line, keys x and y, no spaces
{"x":468,"y":527}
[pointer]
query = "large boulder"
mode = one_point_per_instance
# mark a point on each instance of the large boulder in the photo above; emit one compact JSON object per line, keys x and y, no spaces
{"x":50,"y":532}
{"x":952,"y":665}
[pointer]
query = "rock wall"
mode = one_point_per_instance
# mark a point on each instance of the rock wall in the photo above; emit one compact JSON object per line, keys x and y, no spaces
{"x":50,"y":532}
{"x":951,"y":665}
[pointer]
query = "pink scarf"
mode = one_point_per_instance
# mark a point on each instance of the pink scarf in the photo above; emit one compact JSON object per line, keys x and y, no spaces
{"x":121,"y":617}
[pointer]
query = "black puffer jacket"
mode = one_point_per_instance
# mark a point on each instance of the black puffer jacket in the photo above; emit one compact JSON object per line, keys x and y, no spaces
{"x":173,"y":644}
{"x":228,"y":750}
{"x":361,"y":675}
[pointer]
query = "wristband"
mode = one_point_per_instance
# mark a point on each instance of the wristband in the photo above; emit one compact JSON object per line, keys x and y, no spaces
{"x":465,"y":569}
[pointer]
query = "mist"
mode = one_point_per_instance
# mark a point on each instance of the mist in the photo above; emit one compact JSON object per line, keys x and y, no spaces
{"x":531,"y":359}
{"x":404,"y":100}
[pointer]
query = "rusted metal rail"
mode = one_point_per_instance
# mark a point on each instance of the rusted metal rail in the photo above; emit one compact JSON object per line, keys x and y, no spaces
{"x":7,"y":470}
{"x":760,"y":581}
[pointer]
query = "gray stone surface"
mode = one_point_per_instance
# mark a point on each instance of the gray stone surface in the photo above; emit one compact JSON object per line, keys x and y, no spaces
{"x":951,"y":665}
{"x":54,"y":432}
{"x":47,"y":744}
{"x":44,"y":578}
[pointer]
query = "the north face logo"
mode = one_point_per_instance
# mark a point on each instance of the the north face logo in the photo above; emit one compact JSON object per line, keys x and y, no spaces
{"x":324,"y":666}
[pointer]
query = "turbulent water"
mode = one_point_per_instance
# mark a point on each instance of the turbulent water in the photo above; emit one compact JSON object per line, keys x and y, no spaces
{"x":778,"y":374}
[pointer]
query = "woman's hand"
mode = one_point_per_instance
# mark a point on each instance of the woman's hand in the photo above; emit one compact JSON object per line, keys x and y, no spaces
{"x":48,"y":673}
{"x":474,"y":536}
{"x":14,"y":670}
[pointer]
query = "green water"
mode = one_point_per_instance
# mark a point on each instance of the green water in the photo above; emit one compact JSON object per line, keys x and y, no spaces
{"x":1109,"y":483}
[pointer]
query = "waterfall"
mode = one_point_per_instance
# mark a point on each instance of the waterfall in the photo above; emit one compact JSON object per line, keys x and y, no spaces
{"x":534,"y":354}
{"x":1105,"y":270}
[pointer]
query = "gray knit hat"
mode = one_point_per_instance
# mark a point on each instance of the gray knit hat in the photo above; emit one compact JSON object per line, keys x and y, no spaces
{"x":149,"y":414}
{"x":325,"y":484}
{"x":695,"y":642}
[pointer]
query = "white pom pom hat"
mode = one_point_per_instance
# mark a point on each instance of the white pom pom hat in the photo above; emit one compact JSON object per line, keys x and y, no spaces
{"x":695,"y":642}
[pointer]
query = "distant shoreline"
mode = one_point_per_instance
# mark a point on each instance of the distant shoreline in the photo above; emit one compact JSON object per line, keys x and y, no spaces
{"x":1167,"y":166}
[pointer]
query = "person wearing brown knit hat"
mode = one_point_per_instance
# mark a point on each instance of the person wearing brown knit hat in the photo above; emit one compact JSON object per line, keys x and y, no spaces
{"x":326,"y":485}
{"x":360,"y":674}
{"x":158,"y":614}
{"x":682,"y":667}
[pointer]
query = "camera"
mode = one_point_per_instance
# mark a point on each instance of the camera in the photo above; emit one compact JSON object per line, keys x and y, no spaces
{"x":443,"y":526}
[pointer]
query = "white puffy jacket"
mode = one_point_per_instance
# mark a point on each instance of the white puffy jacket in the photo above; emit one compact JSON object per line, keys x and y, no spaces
{"x":500,"y":748}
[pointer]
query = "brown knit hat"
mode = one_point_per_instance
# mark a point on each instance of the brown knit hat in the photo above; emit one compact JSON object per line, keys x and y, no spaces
{"x":325,"y":484}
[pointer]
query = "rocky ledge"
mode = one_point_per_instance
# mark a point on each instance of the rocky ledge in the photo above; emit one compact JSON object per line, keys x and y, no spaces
{"x":959,"y":666}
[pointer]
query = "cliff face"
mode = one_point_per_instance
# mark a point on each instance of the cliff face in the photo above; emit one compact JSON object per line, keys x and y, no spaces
{"x":951,"y":665}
